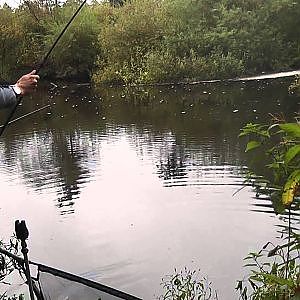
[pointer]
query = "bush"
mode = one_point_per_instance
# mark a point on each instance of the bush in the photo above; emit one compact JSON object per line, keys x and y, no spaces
{"x":275,"y":270}
{"x":275,"y":273}
{"x":76,"y":52}
{"x":194,"y":40}
{"x":152,"y":41}
{"x":187,"y":285}
{"x":20,"y":37}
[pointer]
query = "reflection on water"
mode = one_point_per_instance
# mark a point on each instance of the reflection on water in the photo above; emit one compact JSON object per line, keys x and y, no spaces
{"x":168,"y":156}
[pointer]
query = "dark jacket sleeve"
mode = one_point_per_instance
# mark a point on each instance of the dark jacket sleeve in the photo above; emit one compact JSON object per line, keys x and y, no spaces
{"x":7,"y":97}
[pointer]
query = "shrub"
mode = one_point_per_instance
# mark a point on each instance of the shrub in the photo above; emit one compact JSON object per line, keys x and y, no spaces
{"x":187,"y":285}
{"x":275,"y":273}
{"x":76,"y":53}
{"x":153,"y":41}
{"x":275,"y":270}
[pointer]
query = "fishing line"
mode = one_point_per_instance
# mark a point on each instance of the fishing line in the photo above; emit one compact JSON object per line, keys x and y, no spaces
{"x":26,"y":115}
{"x":42,"y":65}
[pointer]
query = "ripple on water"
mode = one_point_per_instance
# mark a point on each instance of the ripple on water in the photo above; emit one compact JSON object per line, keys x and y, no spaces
{"x":204,"y":175}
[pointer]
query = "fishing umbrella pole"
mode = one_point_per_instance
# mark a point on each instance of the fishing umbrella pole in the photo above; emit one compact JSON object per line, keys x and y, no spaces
{"x":42,"y":65}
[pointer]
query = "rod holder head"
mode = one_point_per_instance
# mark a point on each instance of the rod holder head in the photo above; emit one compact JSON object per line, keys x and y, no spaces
{"x":22,"y":232}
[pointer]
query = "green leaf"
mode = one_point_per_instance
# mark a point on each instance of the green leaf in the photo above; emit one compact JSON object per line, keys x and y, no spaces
{"x":256,"y":129}
{"x":252,"y":145}
{"x":276,"y":198}
{"x":291,"y":153}
{"x":239,"y":285}
{"x":253,"y":285}
{"x":292,"y":129}
{"x":275,"y":279}
{"x":250,"y":265}
{"x":291,"y":188}
{"x":274,"y":165}
{"x":256,"y":278}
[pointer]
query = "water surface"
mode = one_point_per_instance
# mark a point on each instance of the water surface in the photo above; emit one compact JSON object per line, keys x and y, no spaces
{"x":122,"y":185}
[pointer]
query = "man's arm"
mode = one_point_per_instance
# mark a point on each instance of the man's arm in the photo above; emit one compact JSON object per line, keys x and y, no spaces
{"x":25,"y":85}
{"x":7,"y":97}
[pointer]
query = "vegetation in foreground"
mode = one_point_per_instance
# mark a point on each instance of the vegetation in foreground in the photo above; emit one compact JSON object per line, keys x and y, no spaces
{"x":295,"y":86}
{"x":152,"y":41}
{"x":187,"y":285}
{"x":275,"y":270}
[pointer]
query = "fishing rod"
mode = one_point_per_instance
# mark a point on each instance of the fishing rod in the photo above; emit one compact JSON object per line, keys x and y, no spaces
{"x":26,"y":115}
{"x":42,"y":65}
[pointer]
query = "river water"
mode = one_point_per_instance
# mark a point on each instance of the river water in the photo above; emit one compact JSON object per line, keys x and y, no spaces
{"x":122,"y":185}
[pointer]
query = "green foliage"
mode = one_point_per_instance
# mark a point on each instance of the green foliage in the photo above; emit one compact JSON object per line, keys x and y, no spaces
{"x":186,"y":285}
{"x":295,"y":86}
{"x":8,"y":265}
{"x":279,"y":146}
{"x":76,"y":52}
{"x":161,"y":41}
{"x":21,"y":38}
{"x":125,"y":41}
{"x":275,"y":270}
{"x":274,"y":274}
{"x":14,"y":297}
{"x":191,"y":40}
{"x":142,"y":41}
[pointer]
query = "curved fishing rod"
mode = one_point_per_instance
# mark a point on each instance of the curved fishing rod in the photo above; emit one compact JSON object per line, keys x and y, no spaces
{"x":42,"y":64}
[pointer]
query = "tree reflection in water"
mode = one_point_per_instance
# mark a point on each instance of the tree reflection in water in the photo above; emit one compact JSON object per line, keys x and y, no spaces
{"x":50,"y":155}
{"x":190,"y":133}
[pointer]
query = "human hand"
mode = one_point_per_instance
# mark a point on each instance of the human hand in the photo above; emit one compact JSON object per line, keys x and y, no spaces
{"x":28,"y":83}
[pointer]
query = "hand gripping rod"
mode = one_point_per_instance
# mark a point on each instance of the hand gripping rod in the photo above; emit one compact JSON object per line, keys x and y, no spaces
{"x":42,"y":65}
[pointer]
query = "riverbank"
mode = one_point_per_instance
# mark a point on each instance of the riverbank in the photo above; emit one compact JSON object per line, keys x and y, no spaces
{"x":169,"y":41}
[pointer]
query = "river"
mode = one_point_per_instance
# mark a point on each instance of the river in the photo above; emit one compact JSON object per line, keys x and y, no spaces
{"x":124,"y":184}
